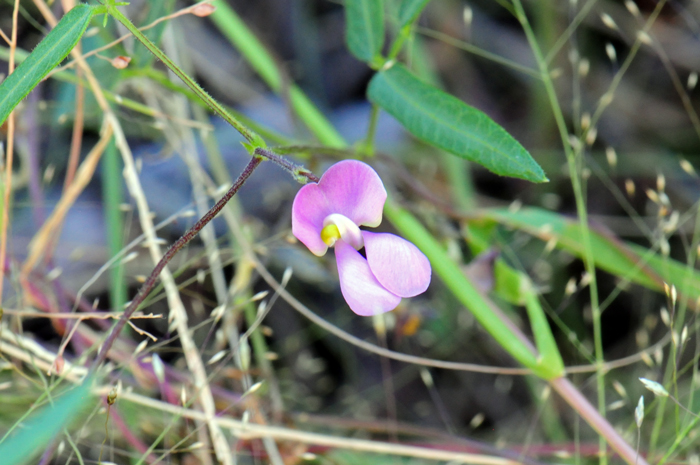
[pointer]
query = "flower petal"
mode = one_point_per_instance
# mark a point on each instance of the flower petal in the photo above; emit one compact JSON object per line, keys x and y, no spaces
{"x":348,"y":230}
{"x":397,"y":264}
{"x":308,"y":211}
{"x":355,"y":190}
{"x":361,"y":290}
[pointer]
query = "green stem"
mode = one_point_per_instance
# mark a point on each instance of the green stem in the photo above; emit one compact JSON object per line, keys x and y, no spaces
{"x":160,"y":77}
{"x":679,"y":438}
{"x":249,"y":135}
{"x":458,"y":173}
{"x":396,"y":47}
{"x":572,"y":161}
{"x":368,"y":144}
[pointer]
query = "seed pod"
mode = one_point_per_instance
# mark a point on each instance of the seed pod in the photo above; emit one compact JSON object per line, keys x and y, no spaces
{"x":121,"y":62}
{"x":203,"y":9}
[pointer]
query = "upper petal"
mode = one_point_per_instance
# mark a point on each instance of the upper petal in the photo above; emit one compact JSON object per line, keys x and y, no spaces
{"x":360,"y":288}
{"x":397,"y":264}
{"x":309,"y":209}
{"x":355,"y":190}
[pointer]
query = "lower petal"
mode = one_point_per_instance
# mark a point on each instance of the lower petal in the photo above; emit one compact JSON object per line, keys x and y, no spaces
{"x":398,"y":265}
{"x":360,"y":288}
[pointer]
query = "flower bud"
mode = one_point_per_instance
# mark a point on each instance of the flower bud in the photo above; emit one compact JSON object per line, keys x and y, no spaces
{"x":121,"y":62}
{"x":203,"y":9}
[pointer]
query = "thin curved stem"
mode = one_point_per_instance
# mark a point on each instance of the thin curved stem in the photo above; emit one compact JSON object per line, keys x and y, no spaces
{"x":169,"y":254}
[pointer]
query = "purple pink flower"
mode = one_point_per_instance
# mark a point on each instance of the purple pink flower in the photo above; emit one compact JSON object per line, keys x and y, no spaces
{"x":349,"y":195}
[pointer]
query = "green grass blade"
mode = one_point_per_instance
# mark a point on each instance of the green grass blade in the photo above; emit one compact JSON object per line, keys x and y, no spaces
{"x":34,"y":434}
{"x":364,"y":28}
{"x":113,"y":196}
{"x":255,"y":53}
{"x":450,"y":124}
{"x":628,"y":261}
{"x":46,"y":56}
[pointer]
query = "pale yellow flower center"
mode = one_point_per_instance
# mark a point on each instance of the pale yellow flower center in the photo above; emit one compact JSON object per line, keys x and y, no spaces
{"x":330,"y":234}
{"x":337,"y":226}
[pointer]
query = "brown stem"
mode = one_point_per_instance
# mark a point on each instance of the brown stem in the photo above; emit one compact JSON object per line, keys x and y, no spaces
{"x":169,"y":254}
{"x":574,"y":398}
{"x":295,"y":170}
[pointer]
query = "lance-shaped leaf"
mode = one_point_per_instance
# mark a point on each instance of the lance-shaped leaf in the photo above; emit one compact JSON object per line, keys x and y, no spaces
{"x":450,"y":124}
{"x":364,"y":23}
{"x":46,"y":56}
{"x":630,"y":262}
{"x":33,"y":434}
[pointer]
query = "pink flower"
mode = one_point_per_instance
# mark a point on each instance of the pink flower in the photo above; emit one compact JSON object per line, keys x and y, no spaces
{"x":330,"y":213}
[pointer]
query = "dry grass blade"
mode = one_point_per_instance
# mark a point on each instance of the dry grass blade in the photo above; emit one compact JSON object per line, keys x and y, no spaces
{"x":184,"y":11}
{"x":253,"y":431}
{"x":49,"y":229}
{"x":81,"y":316}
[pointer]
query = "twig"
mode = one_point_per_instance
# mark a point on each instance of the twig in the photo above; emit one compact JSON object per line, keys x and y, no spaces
{"x":71,"y":372}
{"x":82,"y":316}
{"x":150,"y":282}
{"x":251,"y":430}
{"x":194,"y":362}
{"x":193,"y":359}
{"x":295,"y":170}
{"x":121,"y":39}
{"x":5,"y":38}
{"x":119,"y":256}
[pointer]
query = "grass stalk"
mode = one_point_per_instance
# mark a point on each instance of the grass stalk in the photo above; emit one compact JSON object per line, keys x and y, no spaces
{"x":573,"y":160}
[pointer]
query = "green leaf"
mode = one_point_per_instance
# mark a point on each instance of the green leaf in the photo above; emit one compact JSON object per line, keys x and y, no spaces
{"x":410,"y":10}
{"x":364,"y":23}
{"x":32,"y":436}
{"x":628,"y":261}
{"x":448,"y":123}
{"x":46,"y":56}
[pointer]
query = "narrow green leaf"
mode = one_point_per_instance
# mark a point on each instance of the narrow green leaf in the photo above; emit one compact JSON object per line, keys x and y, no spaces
{"x":628,"y":261}
{"x":410,"y":10}
{"x":46,"y":56}
{"x":450,"y":124}
{"x":243,"y":39}
{"x":364,"y":23}
{"x":32,"y":436}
